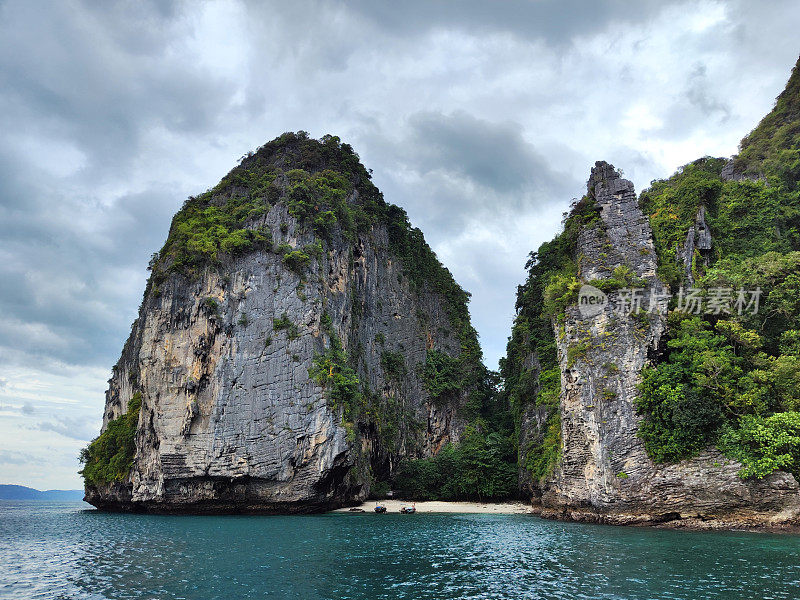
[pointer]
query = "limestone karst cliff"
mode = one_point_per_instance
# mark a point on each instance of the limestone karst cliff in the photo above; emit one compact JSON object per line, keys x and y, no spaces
{"x":603,"y":472}
{"x":298,"y":343}
{"x":286,"y":347}
{"x":677,"y":400}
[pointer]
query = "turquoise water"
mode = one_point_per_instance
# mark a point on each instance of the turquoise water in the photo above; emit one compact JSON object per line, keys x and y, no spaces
{"x":52,"y":550}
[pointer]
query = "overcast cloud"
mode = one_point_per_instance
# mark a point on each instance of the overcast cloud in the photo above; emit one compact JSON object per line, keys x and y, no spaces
{"x":482,"y":119}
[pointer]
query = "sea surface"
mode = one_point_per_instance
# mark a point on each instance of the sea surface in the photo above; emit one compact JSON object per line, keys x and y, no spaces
{"x":53,"y":550}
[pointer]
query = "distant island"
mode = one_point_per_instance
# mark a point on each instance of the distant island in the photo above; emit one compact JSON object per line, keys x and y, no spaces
{"x":20,"y":492}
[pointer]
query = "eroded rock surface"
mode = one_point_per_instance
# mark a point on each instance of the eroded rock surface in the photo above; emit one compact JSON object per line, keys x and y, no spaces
{"x":604,"y":474}
{"x":232,"y":421}
{"x":697,"y":248}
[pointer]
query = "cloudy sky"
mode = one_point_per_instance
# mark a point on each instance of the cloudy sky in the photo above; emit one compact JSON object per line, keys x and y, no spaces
{"x":482,"y":119}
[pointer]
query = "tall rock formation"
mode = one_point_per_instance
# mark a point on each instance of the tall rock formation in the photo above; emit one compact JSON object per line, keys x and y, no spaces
{"x":604,"y":473}
{"x":696,"y":249}
{"x":639,"y":400}
{"x":282,"y":346}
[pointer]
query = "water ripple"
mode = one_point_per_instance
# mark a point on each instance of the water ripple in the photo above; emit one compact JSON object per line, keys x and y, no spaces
{"x":65,"y":552}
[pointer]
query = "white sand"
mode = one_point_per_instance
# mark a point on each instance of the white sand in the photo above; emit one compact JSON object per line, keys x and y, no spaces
{"x":393,"y":506}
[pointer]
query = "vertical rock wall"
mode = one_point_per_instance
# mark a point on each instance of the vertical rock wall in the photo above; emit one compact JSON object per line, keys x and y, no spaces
{"x":604,"y":473}
{"x":231,"y":419}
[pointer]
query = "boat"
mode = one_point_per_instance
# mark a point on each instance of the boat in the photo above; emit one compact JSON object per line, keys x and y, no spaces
{"x":407,"y":510}
{"x":380,"y":509}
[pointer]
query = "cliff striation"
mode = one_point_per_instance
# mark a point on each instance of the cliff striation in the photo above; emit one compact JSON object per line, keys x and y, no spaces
{"x":284,"y":347}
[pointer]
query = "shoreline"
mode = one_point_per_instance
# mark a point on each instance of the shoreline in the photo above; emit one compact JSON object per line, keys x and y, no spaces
{"x":741,"y":522}
{"x":438,"y":506}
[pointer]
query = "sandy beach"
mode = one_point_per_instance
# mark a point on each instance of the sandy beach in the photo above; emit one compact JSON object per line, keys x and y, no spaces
{"x":393,"y":506}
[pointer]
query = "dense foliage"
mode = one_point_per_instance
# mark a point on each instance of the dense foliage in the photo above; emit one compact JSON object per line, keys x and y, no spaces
{"x":672,"y":206}
{"x":723,"y":369}
{"x":323,"y":182}
{"x":684,"y":397}
{"x":540,"y":456}
{"x":442,"y":375}
{"x":343,"y":389}
{"x":747,"y":218}
{"x":764,"y":444}
{"x":482,"y":466}
{"x":109,"y":457}
{"x":394,"y":366}
{"x":733,"y":379}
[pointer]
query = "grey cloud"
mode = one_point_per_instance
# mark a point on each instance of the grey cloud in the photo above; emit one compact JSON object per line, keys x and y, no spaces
{"x":698,"y":92}
{"x":101,"y":78}
{"x":92,"y":81}
{"x":83,"y":429}
{"x":556,"y":21}
{"x":9,"y":457}
{"x":466,"y":170}
{"x":750,"y":41}
{"x":493,"y":155}
{"x":62,"y":286}
{"x":26,"y":409}
{"x":700,"y":105}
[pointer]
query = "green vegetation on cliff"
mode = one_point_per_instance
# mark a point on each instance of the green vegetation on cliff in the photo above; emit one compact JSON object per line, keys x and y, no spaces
{"x":442,"y":375}
{"x":733,"y":379}
{"x":723,"y":370}
{"x":530,"y":371}
{"x":323,"y":183}
{"x":343,"y":390}
{"x":747,"y":218}
{"x":109,"y":457}
{"x":765,"y":444}
{"x":772,"y":148}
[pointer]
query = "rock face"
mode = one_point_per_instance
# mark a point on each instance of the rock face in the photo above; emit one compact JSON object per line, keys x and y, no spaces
{"x":731,"y":173}
{"x":604,"y":473}
{"x":697,"y":247}
{"x":231,"y":419}
{"x":532,"y":427}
